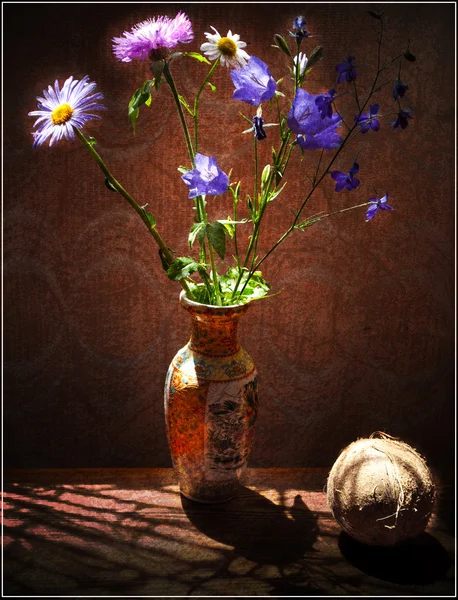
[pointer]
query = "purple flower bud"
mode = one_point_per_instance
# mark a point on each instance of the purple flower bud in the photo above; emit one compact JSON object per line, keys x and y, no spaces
{"x":399,"y":89}
{"x":259,"y":130}
{"x":402,"y":118}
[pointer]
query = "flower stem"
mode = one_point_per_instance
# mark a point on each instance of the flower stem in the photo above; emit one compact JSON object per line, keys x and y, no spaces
{"x":254,"y":238}
{"x":214,"y":275}
{"x":173,"y":88}
{"x":199,"y":203}
{"x":335,"y":212}
{"x":255,"y":191}
{"x":196,"y":103}
{"x":141,"y":212}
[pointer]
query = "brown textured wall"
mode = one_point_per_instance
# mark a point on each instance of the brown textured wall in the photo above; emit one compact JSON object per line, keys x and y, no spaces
{"x":361,"y":337}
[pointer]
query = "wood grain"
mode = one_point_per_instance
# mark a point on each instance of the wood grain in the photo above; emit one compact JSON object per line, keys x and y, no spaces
{"x":127,"y":532}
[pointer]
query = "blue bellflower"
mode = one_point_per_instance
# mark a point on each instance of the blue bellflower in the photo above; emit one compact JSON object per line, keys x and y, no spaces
{"x":254,"y":83}
{"x":369,"y":120}
{"x":206,"y":178}
{"x":377,"y":203}
{"x":346,"y":70}
{"x":346,"y":180}
{"x":313,"y":131}
{"x":399,"y":89}
{"x":402,"y":119}
{"x":324,"y":103}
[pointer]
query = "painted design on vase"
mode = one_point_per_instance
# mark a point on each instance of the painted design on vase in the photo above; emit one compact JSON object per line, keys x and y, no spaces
{"x":211,"y":405}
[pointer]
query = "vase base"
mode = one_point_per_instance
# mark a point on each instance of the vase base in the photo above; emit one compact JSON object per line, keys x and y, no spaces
{"x":217,"y":501}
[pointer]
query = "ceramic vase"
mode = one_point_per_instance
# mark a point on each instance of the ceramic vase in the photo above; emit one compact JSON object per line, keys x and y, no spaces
{"x":211,"y":401}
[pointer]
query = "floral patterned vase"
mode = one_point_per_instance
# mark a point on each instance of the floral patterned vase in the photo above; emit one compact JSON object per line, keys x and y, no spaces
{"x":211,"y":404}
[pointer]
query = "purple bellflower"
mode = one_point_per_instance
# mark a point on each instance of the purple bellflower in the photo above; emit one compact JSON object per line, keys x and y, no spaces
{"x":399,"y":89}
{"x":375,"y":204}
{"x":346,"y":180}
{"x":153,"y":38}
{"x":324,"y":103}
{"x":369,"y":120}
{"x":206,"y":178}
{"x":254,"y":83}
{"x":346,"y":70}
{"x":313,"y":131}
{"x":402,"y":119}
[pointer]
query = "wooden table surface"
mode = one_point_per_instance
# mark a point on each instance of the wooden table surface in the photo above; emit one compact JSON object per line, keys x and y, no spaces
{"x":129,"y":532}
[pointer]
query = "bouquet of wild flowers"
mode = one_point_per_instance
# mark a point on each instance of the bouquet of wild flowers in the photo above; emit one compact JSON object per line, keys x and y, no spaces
{"x":306,"y":123}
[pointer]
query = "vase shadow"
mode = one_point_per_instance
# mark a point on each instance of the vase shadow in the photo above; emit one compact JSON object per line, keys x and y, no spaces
{"x":257,"y":528}
{"x":420,"y":561}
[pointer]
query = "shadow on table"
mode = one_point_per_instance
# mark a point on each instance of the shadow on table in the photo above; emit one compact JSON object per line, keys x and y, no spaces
{"x":420,"y":561}
{"x":257,"y":528}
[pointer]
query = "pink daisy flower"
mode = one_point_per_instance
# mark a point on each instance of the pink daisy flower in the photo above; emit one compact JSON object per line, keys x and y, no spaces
{"x":153,"y":36}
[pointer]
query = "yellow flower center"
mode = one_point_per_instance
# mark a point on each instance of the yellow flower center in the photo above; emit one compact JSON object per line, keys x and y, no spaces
{"x":227,"y":47}
{"x":61,"y":114}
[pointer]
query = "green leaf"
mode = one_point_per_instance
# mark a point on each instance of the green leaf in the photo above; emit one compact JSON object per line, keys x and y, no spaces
{"x":141,"y":96}
{"x":146,"y":87}
{"x":276,"y":193}
{"x":256,"y":287}
{"x":183,"y":170}
{"x":133,"y":116}
{"x":197,"y":56}
{"x":212,"y":87}
{"x":216,"y":234}
{"x":281,"y":43}
{"x":186,"y":105}
{"x":151,"y":220}
{"x":250,"y":207}
{"x":165,"y":264}
{"x":246,"y":118}
{"x":196,"y":229}
{"x":229,"y":224}
{"x":315,"y":56}
{"x":182,"y":267}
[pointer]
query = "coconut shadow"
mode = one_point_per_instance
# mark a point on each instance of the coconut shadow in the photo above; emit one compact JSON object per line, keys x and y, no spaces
{"x":420,"y":561}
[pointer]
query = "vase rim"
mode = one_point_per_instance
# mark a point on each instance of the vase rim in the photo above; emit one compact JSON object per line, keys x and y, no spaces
{"x":187,"y":302}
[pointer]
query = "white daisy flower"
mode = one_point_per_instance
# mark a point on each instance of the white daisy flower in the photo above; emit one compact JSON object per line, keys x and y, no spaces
{"x":62,"y":109}
{"x":228,"y":49}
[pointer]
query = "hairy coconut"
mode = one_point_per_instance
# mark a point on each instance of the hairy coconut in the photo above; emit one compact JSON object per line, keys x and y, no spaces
{"x":381,"y":491}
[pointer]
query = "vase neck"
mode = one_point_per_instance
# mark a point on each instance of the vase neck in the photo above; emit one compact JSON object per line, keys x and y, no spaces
{"x":214,"y":336}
